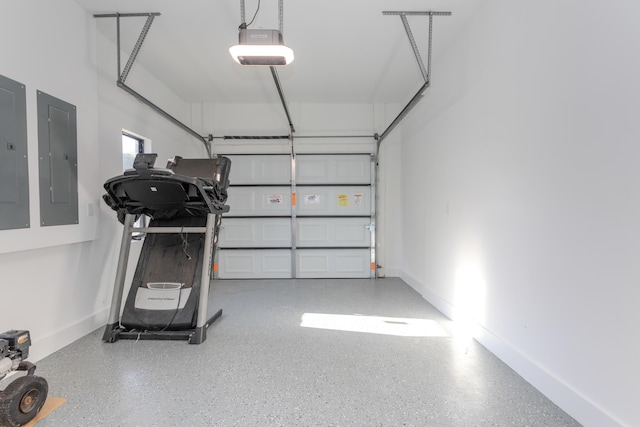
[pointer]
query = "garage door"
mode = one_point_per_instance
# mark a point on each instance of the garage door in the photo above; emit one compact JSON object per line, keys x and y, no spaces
{"x":334,"y":209}
{"x":314,"y":223}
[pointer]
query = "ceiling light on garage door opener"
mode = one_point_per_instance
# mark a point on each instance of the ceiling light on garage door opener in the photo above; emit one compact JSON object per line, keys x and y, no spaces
{"x":259,"y":46}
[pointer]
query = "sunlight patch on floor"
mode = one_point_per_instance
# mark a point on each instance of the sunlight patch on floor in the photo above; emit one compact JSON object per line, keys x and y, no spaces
{"x":398,"y":326}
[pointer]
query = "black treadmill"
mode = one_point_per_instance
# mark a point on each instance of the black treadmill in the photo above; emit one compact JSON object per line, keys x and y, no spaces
{"x":170,"y":288}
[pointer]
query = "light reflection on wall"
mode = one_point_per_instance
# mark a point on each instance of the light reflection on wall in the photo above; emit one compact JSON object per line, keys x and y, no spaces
{"x":469,"y":301}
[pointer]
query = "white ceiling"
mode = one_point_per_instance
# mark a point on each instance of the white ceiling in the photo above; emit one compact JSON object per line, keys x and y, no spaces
{"x":346,"y":51}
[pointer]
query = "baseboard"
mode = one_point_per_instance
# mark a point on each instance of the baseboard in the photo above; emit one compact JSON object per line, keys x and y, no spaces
{"x":571,"y":401}
{"x":43,"y":347}
{"x":441,"y":304}
{"x":392,"y":272}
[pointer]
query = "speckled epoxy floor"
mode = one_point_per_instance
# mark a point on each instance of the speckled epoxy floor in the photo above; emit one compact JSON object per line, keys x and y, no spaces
{"x":260,"y":367}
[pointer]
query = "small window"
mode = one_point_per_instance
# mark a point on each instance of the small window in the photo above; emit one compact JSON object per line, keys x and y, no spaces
{"x":132,"y":145}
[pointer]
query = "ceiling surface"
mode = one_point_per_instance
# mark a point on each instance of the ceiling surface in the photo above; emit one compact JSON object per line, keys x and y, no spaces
{"x":345,"y":51}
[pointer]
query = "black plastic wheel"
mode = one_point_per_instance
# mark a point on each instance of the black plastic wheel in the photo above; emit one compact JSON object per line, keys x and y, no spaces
{"x":21,"y":401}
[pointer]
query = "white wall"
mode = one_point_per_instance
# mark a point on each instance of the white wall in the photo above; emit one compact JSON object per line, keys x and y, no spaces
{"x":520,"y":205}
{"x":64,"y":67}
{"x":57,"y":281}
{"x":52,"y":51}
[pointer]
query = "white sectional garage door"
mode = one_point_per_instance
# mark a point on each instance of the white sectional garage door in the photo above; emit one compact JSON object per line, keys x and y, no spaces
{"x":334,"y":209}
{"x":255,"y":236}
{"x":316,"y":224}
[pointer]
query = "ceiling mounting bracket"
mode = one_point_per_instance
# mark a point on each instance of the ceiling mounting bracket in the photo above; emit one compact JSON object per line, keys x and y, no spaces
{"x":414,"y":46}
{"x":123,"y":74}
{"x":425,"y":71}
{"x":280,"y":14}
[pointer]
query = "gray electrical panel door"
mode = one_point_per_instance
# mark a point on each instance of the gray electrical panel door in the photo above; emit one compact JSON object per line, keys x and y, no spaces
{"x":58,"y":161}
{"x":14,"y":173}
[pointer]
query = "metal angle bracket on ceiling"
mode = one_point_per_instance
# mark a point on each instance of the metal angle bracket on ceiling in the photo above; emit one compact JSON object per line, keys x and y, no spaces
{"x":123,"y":74}
{"x":425,"y":71}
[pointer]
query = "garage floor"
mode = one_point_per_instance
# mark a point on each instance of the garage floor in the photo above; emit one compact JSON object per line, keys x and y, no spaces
{"x":299,"y":353}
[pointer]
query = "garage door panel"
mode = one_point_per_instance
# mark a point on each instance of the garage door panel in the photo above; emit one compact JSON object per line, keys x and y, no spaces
{"x":276,"y":263}
{"x":333,"y":263}
{"x":255,"y":232}
{"x":260,"y":169}
{"x":334,"y":201}
{"x":333,"y":232}
{"x":259,"y":201}
{"x":333,"y":169}
{"x":254,"y":263}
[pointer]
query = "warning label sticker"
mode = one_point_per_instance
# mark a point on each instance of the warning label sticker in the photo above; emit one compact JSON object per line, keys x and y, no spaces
{"x":274,"y":199}
{"x":357,"y":199}
{"x":343,"y":200}
{"x":311,"y":199}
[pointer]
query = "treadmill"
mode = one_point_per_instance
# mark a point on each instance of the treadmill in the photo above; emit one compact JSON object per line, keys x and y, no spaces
{"x":169,"y":292}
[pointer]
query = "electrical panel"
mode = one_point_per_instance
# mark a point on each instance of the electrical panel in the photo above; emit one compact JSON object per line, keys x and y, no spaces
{"x":14,"y":172}
{"x":58,"y":161}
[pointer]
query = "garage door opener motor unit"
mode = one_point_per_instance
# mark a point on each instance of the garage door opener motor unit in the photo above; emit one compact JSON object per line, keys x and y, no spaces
{"x":170,"y":289}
